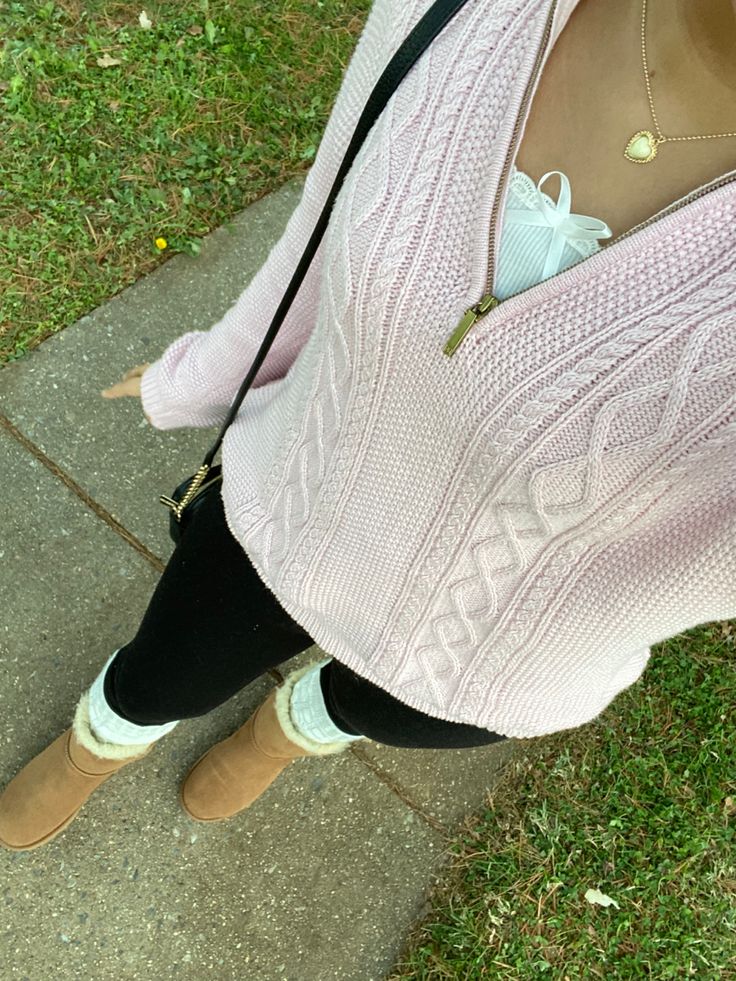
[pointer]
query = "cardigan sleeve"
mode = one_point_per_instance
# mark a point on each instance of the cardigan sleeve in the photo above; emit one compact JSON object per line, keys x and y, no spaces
{"x":195,"y":380}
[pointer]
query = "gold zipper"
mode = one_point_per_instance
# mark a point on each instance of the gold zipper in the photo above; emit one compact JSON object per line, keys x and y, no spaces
{"x":697,"y":193}
{"x":489,"y":302}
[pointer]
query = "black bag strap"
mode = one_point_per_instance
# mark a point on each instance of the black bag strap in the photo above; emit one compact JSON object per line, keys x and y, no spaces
{"x":415,"y":44}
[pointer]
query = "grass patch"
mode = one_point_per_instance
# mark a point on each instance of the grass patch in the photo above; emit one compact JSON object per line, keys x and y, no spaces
{"x":639,"y":804}
{"x":113,"y":135}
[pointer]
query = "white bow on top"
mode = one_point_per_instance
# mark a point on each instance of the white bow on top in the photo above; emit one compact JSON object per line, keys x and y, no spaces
{"x":564,"y":225}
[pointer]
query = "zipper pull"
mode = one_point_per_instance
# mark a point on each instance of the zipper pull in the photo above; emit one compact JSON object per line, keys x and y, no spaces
{"x":469,"y":318}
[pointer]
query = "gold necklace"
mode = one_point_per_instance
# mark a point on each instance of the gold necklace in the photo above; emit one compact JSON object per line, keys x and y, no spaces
{"x":642,"y":147}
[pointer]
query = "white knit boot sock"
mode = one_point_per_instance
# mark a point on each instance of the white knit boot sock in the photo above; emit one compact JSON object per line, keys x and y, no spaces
{"x":109,"y":727}
{"x":308,"y":710}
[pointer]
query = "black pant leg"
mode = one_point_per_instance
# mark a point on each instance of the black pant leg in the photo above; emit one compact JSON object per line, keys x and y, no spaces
{"x":211,"y":627}
{"x":360,"y":707}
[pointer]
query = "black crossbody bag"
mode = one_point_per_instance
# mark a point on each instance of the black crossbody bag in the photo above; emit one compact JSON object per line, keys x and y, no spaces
{"x":190,"y":493}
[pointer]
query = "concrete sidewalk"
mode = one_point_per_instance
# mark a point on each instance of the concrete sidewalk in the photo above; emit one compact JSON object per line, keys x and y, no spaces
{"x":324,"y":875}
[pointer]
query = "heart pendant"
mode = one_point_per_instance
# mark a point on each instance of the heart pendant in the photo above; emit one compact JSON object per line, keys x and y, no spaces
{"x":642,"y":147}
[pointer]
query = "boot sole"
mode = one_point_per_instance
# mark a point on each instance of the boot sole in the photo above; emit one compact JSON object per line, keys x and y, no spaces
{"x":46,"y":839}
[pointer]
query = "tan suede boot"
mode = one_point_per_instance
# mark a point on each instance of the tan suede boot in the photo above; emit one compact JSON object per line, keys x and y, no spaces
{"x":235,"y":772}
{"x":47,"y":794}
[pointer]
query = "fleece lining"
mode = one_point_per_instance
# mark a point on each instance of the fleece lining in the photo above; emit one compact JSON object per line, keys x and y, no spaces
{"x":282,"y":700}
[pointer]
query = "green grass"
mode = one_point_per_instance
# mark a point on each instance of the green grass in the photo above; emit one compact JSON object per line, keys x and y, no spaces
{"x":640,"y":804}
{"x":213,"y":107}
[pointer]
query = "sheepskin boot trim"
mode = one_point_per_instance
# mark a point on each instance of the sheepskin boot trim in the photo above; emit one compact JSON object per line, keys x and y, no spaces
{"x":283,"y":699}
{"x":93,"y":748}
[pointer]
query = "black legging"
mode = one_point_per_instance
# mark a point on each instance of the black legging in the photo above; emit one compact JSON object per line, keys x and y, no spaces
{"x":212,"y":627}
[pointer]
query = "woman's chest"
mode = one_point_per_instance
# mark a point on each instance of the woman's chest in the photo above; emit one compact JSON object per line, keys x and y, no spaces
{"x":590,"y":99}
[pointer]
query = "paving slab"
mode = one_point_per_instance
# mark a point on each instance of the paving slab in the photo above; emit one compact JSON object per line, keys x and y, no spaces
{"x":53,"y":394}
{"x":71,"y":592}
{"x":320,"y":879}
{"x":446,"y":784}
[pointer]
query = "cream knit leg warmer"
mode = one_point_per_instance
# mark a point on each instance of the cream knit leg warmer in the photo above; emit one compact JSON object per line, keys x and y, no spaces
{"x":107,"y":727}
{"x":299,"y":704}
{"x":303,"y":716}
{"x":87,"y":738}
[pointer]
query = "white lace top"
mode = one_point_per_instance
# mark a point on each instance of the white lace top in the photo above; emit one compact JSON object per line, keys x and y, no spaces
{"x":540,"y":237}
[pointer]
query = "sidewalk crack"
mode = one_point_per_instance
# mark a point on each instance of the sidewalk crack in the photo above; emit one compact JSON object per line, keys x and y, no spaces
{"x":396,"y":789}
{"x":75,"y":488}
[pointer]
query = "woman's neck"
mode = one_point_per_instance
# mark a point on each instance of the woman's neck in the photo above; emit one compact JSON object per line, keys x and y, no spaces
{"x":706,"y":30}
{"x":691,"y":58}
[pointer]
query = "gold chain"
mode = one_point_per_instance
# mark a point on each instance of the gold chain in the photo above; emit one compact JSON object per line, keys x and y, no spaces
{"x":663,"y":139}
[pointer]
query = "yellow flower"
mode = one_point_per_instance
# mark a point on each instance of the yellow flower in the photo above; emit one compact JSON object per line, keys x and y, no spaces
{"x":161,"y":243}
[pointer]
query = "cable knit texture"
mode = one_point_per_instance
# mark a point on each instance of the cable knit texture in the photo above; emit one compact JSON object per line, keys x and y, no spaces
{"x":100,"y":747}
{"x":499,"y":537}
{"x":283,"y":712}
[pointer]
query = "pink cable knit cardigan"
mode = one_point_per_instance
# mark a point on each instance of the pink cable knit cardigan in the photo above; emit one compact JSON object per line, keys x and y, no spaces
{"x":495,"y":538}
